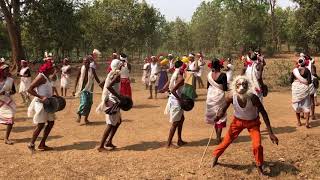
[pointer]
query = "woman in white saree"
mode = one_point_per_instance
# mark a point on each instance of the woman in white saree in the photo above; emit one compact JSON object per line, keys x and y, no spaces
{"x":7,"y":104}
{"x":301,"y":79}
{"x":217,"y":85}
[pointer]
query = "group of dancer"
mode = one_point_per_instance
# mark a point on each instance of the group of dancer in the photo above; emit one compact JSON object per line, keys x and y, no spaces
{"x":158,"y":70}
{"x":44,"y":86}
{"x":175,"y":76}
{"x":245,"y":93}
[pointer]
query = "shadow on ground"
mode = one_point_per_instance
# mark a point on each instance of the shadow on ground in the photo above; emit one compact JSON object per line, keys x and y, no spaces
{"x":203,"y":142}
{"x":18,"y":129}
{"x":82,"y":145}
{"x":26,"y":140}
{"x":144,"y":146}
{"x":22,"y":119}
{"x":144,"y":106}
{"x":276,"y":169}
{"x":280,"y":130}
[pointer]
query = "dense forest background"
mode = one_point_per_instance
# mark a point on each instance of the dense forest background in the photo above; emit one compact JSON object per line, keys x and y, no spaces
{"x":218,"y":27}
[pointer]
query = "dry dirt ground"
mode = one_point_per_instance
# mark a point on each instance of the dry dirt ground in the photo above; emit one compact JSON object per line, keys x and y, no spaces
{"x":140,"y":140}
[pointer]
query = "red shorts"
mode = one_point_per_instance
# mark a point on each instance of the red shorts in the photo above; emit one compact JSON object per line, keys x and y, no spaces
{"x":125,"y":88}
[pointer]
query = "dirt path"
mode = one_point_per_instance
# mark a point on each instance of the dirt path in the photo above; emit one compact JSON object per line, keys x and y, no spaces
{"x":140,"y":139}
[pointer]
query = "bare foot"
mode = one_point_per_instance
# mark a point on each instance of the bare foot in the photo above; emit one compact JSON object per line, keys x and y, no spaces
{"x":299,"y":124}
{"x":9,"y":142}
{"x":86,"y":122}
{"x":181,"y":143}
{"x":31,"y":147}
{"x":214,"y":162}
{"x":44,"y":148}
{"x":313,"y":117}
{"x":308,"y":126}
{"x":150,"y":97}
{"x":110,"y":145}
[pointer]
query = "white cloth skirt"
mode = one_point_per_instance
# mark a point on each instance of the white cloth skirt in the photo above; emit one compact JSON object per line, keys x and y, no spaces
{"x":36,"y":110}
{"x":25,"y":83}
{"x":65,"y":81}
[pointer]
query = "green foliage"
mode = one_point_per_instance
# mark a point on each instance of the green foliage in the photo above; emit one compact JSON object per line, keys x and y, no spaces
{"x":218,"y":27}
{"x":120,"y":25}
{"x":283,"y":71}
{"x":52,"y":25}
{"x":4,"y":40}
{"x":206,"y":26}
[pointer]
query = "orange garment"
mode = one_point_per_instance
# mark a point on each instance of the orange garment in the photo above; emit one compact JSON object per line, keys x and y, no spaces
{"x":235,"y":129}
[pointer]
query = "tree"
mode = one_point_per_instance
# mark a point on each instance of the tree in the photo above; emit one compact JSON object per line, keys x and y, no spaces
{"x":272,"y":4}
{"x":206,"y":26}
{"x":307,"y":20}
{"x":52,"y":25}
{"x":12,"y":12}
{"x":4,"y":40}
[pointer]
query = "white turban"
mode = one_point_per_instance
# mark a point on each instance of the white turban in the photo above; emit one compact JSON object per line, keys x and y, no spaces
{"x":96,"y":51}
{"x":2,"y":60}
{"x":115,"y":64}
{"x":191,"y":55}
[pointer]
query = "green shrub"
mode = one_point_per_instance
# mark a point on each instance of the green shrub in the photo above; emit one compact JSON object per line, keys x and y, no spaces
{"x":283,"y":71}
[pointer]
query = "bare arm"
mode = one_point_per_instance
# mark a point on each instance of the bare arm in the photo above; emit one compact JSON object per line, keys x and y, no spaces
{"x":223,"y":110}
{"x":13,"y":89}
{"x":314,"y":73}
{"x":96,"y":76}
{"x":243,"y":71}
{"x":309,"y":76}
{"x":129,"y":66}
{"x":36,"y":83}
{"x":110,"y":88}
{"x":165,"y":87}
{"x":224,"y":82}
{"x":77,"y":80}
{"x":260,"y":68}
{"x":291,"y":78}
{"x":179,"y":83}
{"x":256,"y":101}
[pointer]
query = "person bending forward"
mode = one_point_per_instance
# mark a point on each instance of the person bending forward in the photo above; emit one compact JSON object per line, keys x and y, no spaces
{"x":110,"y":104}
{"x":41,"y":89}
{"x":173,"y":107}
{"x":247,"y":107}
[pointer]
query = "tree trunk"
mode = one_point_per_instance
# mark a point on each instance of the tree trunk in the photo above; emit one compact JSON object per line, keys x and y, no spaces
{"x":13,"y":27}
{"x":273,"y":19}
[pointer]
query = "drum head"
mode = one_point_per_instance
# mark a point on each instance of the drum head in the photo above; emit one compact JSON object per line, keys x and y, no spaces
{"x":125,"y":103}
{"x":51,"y":105}
{"x":61,"y":102}
{"x":187,"y":104}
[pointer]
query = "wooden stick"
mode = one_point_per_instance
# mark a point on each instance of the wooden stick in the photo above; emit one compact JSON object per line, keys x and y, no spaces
{"x":206,"y":147}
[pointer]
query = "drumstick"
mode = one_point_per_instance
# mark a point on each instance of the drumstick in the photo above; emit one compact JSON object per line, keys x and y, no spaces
{"x":206,"y":147}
